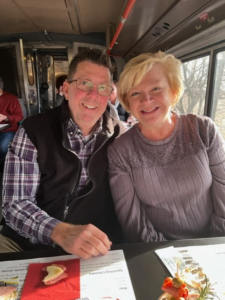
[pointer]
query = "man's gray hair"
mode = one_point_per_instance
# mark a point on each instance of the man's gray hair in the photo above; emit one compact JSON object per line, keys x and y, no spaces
{"x":1,"y":83}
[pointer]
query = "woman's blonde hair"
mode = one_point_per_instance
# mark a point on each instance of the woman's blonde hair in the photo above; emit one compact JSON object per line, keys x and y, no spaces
{"x":137,"y":67}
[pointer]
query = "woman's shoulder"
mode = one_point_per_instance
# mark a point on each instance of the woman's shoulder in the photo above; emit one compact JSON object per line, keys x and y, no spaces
{"x":203,"y":127}
{"x":201,"y":122}
{"x":125,"y":140}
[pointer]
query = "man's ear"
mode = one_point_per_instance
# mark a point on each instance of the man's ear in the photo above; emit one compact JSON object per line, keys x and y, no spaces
{"x":66,"y":86}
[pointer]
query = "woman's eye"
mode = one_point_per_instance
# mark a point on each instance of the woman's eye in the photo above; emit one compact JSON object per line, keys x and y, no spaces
{"x":134,"y":94}
{"x":156,"y":89}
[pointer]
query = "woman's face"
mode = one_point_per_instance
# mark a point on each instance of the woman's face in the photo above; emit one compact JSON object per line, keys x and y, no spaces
{"x":151,"y":101}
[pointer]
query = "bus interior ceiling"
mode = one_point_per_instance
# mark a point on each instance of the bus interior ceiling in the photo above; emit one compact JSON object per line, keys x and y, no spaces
{"x":41,"y":37}
{"x":150,"y":25}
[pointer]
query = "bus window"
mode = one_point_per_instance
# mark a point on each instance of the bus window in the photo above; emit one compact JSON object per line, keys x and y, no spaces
{"x":195,"y":73}
{"x":218,"y":110}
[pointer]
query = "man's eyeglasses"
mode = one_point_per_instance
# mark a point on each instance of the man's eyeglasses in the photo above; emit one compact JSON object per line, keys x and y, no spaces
{"x":86,"y":85}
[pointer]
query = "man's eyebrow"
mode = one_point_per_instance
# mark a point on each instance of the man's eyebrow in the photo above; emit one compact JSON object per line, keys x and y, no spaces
{"x":103,"y":82}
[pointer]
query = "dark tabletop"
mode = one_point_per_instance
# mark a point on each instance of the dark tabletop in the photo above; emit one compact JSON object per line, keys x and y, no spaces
{"x":146,"y":270}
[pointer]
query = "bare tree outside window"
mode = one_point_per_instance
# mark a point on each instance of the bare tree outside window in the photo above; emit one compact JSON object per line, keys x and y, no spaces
{"x":218,"y":114}
{"x":195,"y":73}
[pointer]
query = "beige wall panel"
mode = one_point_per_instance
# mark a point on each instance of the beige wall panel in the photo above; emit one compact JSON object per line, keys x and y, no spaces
{"x":95,"y":15}
{"x":41,"y":3}
{"x":51,"y":19}
{"x":13,"y":20}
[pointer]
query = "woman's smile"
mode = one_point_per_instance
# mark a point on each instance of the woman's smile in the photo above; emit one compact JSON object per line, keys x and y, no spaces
{"x":149,"y":110}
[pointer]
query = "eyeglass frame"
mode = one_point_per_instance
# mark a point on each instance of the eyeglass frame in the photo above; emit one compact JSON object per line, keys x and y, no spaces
{"x":75,"y":80}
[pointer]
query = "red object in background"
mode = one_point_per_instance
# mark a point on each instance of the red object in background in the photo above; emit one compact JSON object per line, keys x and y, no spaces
{"x":204,"y":16}
{"x":66,"y":289}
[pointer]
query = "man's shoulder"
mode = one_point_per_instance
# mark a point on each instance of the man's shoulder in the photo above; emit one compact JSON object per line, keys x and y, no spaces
{"x":10,"y":96}
{"x":41,"y":120}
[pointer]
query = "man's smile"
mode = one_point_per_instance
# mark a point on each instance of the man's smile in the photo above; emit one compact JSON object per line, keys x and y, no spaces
{"x":89,"y":106}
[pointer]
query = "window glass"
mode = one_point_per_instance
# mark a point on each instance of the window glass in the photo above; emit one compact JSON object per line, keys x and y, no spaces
{"x":195,"y":73}
{"x":218,"y":111}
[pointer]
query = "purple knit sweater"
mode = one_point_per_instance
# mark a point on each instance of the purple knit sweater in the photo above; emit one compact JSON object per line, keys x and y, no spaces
{"x":170,"y":189}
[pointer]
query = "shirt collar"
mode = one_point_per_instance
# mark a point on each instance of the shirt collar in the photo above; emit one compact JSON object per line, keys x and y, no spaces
{"x":73,"y":126}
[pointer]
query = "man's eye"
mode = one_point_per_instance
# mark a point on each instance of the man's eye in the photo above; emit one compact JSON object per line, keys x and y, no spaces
{"x":86,"y":83}
{"x":102,"y":87}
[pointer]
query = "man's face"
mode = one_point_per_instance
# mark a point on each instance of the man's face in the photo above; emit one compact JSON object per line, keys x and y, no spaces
{"x":86,"y":107}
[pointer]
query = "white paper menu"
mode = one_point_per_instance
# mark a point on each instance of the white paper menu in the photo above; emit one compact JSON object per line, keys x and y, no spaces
{"x":209,"y":260}
{"x":99,"y":276}
{"x":3,"y":126}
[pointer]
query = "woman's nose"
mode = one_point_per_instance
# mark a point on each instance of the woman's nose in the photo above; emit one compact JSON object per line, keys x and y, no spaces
{"x":146,"y":97}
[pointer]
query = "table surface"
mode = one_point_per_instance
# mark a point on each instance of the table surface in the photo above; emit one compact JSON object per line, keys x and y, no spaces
{"x":146,"y":270}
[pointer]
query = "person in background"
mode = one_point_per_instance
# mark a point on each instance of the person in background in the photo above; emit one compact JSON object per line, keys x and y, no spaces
{"x":122,"y":114}
{"x":55,"y":185}
{"x":167,"y":173}
{"x":59,"y":96}
{"x":10,"y":113}
{"x":117,"y":109}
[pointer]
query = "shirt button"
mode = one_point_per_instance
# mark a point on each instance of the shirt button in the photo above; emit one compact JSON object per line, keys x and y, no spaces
{"x":71,"y":133}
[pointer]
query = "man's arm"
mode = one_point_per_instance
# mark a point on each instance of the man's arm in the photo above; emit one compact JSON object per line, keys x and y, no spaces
{"x":15,"y":111}
{"x":20,"y":183}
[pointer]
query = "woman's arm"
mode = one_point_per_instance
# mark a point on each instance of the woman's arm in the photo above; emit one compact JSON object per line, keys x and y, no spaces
{"x":216,"y":154}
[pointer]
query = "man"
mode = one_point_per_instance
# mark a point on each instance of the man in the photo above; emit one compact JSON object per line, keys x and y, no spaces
{"x":11,"y":114}
{"x":56,"y":169}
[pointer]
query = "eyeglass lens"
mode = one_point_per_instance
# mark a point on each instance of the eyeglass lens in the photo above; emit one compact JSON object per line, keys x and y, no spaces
{"x":86,"y":85}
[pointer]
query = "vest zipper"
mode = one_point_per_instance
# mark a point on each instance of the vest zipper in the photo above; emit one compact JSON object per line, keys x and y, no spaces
{"x":66,"y":210}
{"x":91,"y":158}
{"x":65,"y":213}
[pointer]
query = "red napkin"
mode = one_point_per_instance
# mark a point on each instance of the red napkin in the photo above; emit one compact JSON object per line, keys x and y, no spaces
{"x":66,"y":289}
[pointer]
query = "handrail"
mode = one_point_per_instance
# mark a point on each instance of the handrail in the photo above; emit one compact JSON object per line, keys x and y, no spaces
{"x":124,"y":17}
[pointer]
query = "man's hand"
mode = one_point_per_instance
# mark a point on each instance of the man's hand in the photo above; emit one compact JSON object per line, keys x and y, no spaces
{"x":84,"y":241}
{"x":2,"y":117}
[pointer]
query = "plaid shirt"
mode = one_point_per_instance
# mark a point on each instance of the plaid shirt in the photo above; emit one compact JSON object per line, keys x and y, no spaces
{"x":22,"y":178}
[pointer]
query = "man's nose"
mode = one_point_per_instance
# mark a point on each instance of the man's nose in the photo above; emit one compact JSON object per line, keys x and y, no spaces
{"x":93,"y":91}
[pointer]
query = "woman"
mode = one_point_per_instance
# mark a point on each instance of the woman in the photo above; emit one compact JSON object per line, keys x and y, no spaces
{"x":167,"y":173}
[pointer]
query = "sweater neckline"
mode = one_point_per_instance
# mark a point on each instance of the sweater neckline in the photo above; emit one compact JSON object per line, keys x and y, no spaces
{"x":161,"y":142}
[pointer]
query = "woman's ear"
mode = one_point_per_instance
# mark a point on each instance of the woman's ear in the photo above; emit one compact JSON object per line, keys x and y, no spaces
{"x":174,"y":99}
